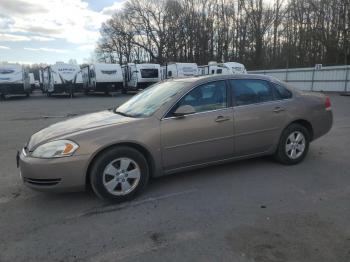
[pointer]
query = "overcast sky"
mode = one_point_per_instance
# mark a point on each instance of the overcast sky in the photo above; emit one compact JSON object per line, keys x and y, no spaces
{"x":36,"y":31}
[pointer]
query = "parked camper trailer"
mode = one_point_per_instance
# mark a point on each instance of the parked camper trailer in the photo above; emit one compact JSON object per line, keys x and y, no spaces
{"x":222,"y":68}
{"x":31,"y":80}
{"x":59,"y":78}
{"x":174,"y":70}
{"x":14,"y":79}
{"x":102,"y":78}
{"x":78,"y":82}
{"x":46,"y":80}
{"x":140,"y":76}
{"x":41,"y":80}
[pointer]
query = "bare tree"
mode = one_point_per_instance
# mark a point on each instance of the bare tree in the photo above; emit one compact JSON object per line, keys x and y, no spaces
{"x":258,"y":33}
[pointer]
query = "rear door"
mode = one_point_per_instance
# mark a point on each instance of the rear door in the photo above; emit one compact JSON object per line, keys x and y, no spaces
{"x":259,"y":117}
{"x":204,"y":136}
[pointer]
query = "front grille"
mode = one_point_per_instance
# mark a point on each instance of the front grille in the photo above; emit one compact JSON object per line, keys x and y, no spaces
{"x":42,"y":182}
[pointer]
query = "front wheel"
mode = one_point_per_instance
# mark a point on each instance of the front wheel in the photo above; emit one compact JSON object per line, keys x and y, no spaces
{"x":293,"y":145}
{"x":119,"y":174}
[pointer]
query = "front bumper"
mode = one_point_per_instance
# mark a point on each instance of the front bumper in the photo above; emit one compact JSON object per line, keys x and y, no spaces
{"x":66,"y":174}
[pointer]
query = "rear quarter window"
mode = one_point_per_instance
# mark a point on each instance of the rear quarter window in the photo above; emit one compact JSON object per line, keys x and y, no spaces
{"x":281,"y":92}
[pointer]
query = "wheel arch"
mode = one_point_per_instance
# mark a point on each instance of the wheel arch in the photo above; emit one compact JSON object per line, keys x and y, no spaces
{"x":145,"y":152}
{"x":305,"y":123}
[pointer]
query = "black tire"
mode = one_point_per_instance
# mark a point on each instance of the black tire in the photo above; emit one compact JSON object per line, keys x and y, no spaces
{"x":27,"y":94}
{"x":281,"y":154}
{"x":102,"y":161}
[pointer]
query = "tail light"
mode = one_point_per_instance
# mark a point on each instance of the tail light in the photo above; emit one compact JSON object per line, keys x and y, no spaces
{"x":327,"y":104}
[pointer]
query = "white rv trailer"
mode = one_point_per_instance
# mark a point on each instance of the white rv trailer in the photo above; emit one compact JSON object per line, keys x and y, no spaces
{"x":59,"y":78}
{"x":46,"y":79}
{"x":174,"y":70}
{"x":223,"y":68}
{"x":31,"y":80}
{"x":102,"y":78}
{"x":78,"y":82}
{"x":41,"y":78}
{"x":201,"y":70}
{"x":14,"y":79}
{"x":140,"y":76}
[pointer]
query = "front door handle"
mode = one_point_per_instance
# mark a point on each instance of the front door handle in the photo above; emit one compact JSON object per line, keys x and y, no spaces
{"x":222,"y":118}
{"x":278,"y":109}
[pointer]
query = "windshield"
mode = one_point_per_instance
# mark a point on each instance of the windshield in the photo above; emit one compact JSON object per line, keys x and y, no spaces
{"x":150,"y":100}
{"x":149,"y":73}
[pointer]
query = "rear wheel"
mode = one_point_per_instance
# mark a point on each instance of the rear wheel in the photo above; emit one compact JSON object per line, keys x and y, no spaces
{"x":293,"y":145}
{"x":119,"y":174}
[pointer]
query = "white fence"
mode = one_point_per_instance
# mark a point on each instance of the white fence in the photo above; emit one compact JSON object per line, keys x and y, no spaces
{"x":331,"y":78}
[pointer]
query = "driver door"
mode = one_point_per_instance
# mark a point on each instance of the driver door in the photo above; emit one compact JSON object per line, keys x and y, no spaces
{"x":204,"y":136}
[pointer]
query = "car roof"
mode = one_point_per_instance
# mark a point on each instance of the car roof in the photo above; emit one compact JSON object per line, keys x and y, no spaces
{"x":208,"y":78}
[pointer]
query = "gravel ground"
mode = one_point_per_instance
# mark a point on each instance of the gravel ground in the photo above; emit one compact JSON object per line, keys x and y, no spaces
{"x":253,"y":210}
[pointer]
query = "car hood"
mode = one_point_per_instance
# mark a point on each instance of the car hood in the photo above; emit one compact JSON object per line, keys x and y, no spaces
{"x":76,"y":124}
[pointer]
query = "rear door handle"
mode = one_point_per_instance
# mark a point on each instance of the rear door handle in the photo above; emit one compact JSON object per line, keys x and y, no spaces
{"x":222,"y":118}
{"x":278,"y":109}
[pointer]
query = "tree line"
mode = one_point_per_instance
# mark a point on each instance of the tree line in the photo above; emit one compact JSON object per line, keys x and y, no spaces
{"x":260,"y":34}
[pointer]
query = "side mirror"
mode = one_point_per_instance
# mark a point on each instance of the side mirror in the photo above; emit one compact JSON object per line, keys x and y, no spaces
{"x":184,"y":110}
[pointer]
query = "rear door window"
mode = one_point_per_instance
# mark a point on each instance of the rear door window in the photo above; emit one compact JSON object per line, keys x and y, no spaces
{"x":251,"y":91}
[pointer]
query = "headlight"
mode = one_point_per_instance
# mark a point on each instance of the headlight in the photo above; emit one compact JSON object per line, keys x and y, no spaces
{"x":54,"y":149}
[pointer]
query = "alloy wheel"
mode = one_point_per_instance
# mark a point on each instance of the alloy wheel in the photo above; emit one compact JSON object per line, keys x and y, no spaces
{"x":295,"y":145}
{"x":121,"y":176}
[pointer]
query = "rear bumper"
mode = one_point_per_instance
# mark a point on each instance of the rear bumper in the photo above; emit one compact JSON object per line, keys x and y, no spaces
{"x":322,"y":124}
{"x":63,"y":88}
{"x":65,"y":174}
{"x":78,"y":87}
{"x":108,"y":86}
{"x":12,"y":89}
